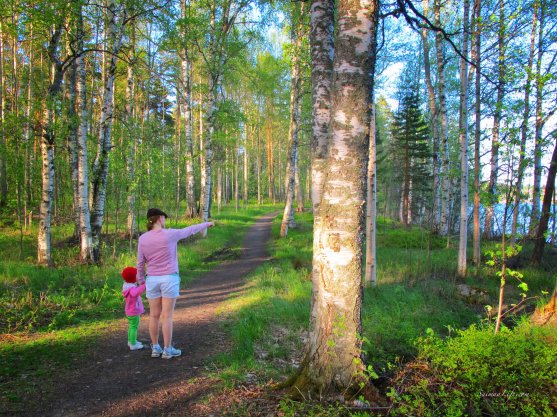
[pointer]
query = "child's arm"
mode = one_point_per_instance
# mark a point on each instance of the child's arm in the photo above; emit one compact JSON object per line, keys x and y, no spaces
{"x":179,"y":234}
{"x":137,"y":291}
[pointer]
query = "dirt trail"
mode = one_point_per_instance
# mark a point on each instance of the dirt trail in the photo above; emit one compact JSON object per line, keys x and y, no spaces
{"x":117,"y":382}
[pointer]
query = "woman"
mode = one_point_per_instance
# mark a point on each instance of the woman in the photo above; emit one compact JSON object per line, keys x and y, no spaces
{"x":158,"y":248}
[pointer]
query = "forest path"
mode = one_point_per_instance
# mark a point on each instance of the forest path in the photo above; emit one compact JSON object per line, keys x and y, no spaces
{"x":116,"y":382}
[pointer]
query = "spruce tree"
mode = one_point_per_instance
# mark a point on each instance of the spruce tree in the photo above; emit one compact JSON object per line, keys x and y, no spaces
{"x":410,"y":152}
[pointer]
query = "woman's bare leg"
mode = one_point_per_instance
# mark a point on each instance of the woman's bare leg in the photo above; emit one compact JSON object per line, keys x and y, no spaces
{"x":166,"y":319}
{"x":155,"y":308}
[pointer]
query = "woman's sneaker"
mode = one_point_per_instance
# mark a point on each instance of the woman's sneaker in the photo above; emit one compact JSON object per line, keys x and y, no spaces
{"x":171,"y":352}
{"x":136,"y":346}
{"x":156,"y":351}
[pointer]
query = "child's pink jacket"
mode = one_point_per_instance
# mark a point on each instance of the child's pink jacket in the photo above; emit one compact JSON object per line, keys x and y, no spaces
{"x":132,"y":293}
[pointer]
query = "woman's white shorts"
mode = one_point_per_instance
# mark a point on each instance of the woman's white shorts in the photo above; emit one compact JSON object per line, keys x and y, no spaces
{"x":167,"y":286}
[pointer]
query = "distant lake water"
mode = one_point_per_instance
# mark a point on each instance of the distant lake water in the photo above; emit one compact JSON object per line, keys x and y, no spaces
{"x":524,"y":211}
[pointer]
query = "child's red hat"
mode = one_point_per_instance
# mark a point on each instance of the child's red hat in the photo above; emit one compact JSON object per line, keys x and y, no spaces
{"x":129,"y":274}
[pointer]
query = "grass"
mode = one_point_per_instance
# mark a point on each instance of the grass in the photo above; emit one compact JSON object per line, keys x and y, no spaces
{"x":49,"y":316}
{"x":416,"y":295}
{"x":61,"y":309}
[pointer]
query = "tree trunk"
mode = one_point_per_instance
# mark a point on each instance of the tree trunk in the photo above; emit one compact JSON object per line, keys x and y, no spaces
{"x":433,"y":108}
{"x":3,"y":150}
{"x":44,"y":247}
{"x":72,"y":120}
{"x":191,"y":210}
{"x":492,"y":186}
{"x":444,"y":133}
{"x":538,"y":169}
{"x":288,"y":220}
{"x":28,"y":131}
{"x":270,"y":165}
{"x":322,"y":52}
{"x":524,"y":128}
{"x":101,"y":164}
{"x":371,"y":204}
{"x":463,"y":138}
{"x":540,"y":237}
{"x":477,"y":138}
{"x":332,"y":361}
{"x":132,"y":150}
{"x":86,"y":251}
{"x":246,"y":167}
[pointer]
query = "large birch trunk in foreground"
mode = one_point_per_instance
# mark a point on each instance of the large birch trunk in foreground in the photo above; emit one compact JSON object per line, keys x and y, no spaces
{"x":463,"y":138}
{"x":3,"y":177}
{"x":332,"y":361}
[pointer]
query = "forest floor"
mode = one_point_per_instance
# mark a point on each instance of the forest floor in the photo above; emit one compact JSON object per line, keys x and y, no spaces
{"x":113,"y":381}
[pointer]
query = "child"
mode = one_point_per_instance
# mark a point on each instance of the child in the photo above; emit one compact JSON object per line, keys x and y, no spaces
{"x":134,"y":306}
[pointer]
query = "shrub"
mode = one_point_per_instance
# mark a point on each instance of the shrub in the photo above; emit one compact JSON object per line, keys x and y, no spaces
{"x":513,"y":373}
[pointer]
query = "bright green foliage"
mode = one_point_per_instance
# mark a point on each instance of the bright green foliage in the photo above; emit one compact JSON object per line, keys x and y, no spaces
{"x":476,"y":372}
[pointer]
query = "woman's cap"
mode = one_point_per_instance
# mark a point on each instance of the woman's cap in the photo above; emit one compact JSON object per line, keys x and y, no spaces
{"x":156,"y":212}
{"x":129,"y":274}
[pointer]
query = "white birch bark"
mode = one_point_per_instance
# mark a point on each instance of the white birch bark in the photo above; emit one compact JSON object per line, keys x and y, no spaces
{"x":191,"y":210}
{"x":131,"y":157}
{"x":246,"y":170}
{"x":322,"y":53}
{"x":44,"y":247}
{"x":27,"y":130}
{"x":477,"y":135}
{"x":433,"y":108}
{"x":463,"y":139}
{"x":116,"y":16}
{"x":288,"y":220}
{"x":444,"y":134}
{"x":86,"y":248}
{"x":332,"y":360}
{"x":371,"y":206}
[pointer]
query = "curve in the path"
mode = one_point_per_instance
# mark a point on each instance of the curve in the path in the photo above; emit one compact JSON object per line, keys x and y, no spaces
{"x":117,"y":382}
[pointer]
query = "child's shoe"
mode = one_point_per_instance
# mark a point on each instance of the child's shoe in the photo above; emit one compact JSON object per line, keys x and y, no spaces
{"x":171,"y":352}
{"x":136,"y":346}
{"x":156,"y":351}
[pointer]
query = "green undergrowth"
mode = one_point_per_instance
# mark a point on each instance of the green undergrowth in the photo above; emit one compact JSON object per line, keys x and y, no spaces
{"x":513,"y":373}
{"x":49,"y":316}
{"x":38,"y":298}
{"x":416,"y":296}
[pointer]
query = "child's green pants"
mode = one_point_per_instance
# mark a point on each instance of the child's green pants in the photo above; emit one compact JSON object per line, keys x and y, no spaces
{"x":132,"y":329}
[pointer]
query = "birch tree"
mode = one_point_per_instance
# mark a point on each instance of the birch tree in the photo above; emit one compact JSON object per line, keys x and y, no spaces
{"x":331,"y":362}
{"x":443,"y":121}
{"x":116,"y":18}
{"x":288,"y":220}
{"x":86,"y":247}
{"x":463,"y":138}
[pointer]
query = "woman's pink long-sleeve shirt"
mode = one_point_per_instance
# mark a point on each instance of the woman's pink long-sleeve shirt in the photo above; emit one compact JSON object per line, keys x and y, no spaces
{"x":158,"y":248}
